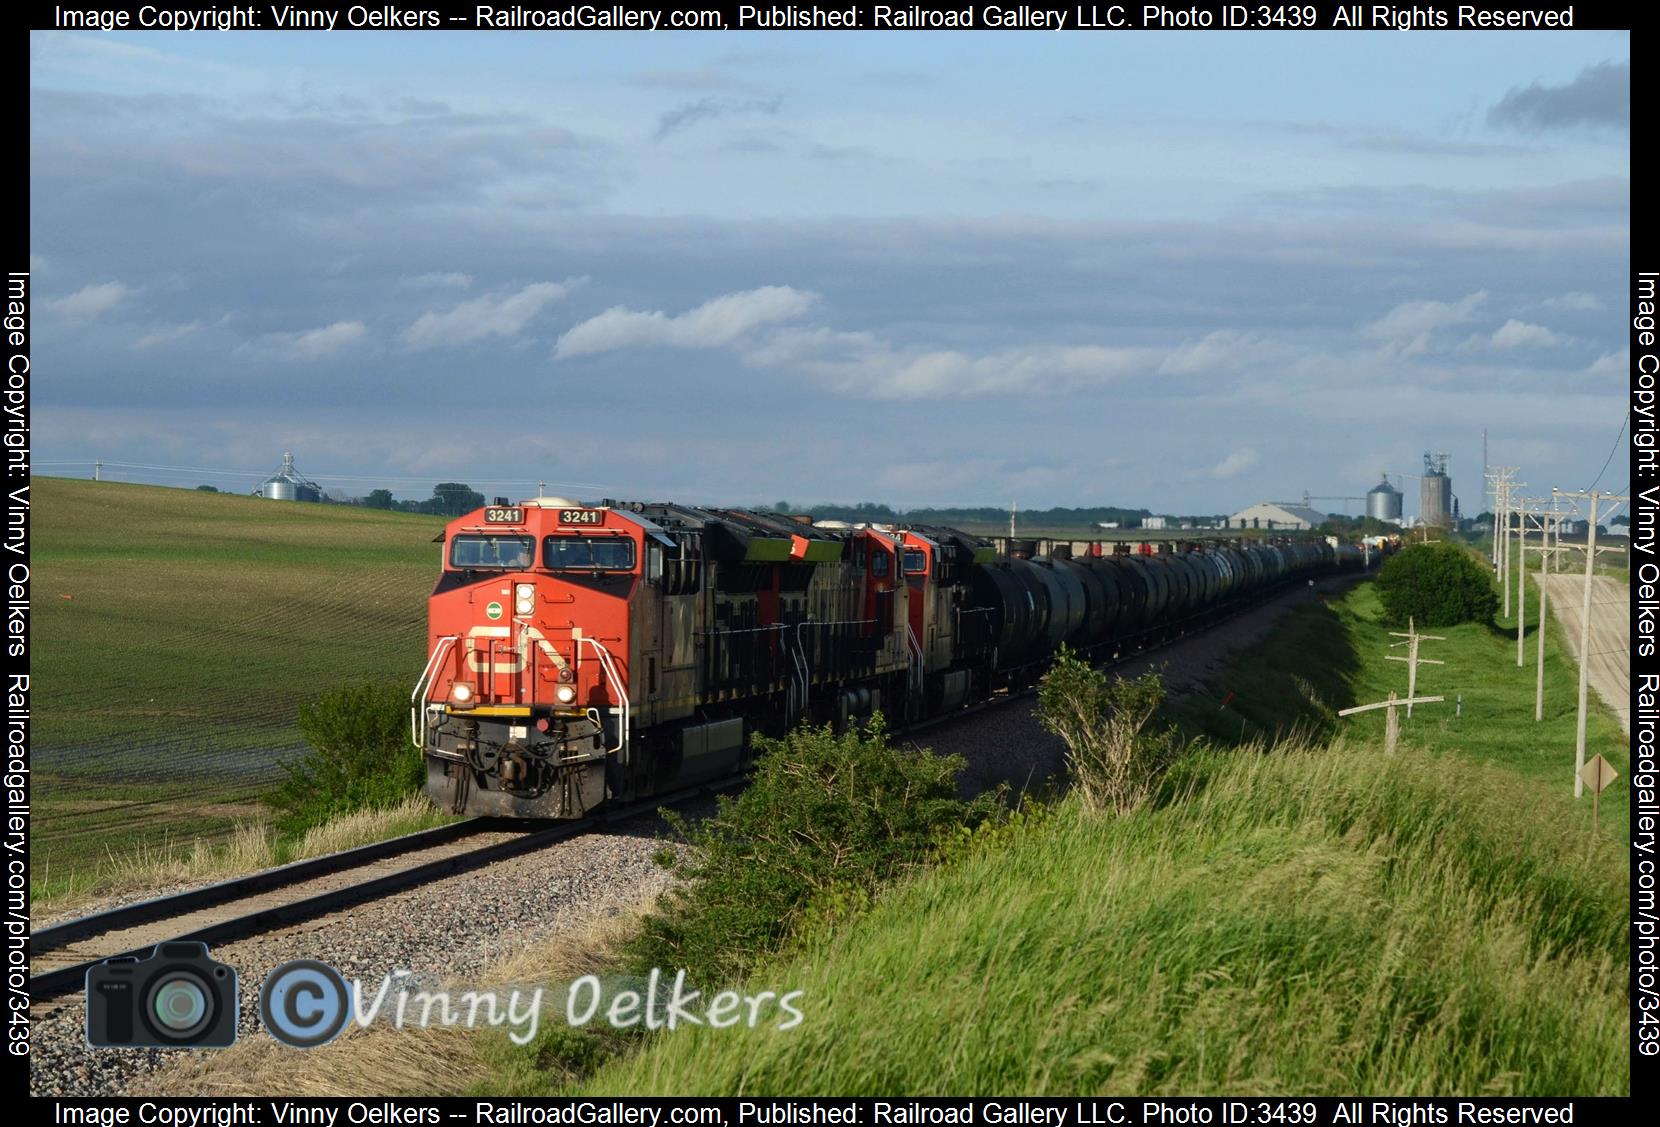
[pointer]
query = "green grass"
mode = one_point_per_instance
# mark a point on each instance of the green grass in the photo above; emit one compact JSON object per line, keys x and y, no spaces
{"x":1330,"y":656}
{"x":1310,"y":922}
{"x":174,"y":635}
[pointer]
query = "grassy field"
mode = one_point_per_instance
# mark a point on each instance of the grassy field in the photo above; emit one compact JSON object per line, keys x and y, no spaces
{"x":1310,"y":922}
{"x":175,"y":633}
{"x":1300,"y":916}
{"x":1333,"y":656}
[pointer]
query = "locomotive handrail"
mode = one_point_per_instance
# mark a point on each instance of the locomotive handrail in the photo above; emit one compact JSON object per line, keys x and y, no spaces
{"x":916,"y":675}
{"x":609,"y":666}
{"x":798,"y":659}
{"x":417,"y":698}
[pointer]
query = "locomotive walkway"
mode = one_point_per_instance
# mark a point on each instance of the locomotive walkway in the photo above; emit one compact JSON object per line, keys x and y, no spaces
{"x":1610,"y":667}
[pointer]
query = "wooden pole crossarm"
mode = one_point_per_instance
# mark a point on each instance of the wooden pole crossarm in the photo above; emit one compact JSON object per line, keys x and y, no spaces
{"x":1420,"y":660}
{"x":1390,"y":704}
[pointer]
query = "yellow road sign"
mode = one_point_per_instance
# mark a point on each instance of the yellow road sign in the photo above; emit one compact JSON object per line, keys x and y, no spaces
{"x":1598,"y":773}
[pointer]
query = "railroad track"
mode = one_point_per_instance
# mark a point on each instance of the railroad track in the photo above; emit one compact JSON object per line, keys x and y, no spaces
{"x":61,"y":955}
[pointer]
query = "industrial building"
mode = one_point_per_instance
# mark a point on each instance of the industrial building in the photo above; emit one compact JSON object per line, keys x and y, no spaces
{"x":1383,"y":502}
{"x":288,"y":485}
{"x":1435,"y":500}
{"x":1278,"y":515}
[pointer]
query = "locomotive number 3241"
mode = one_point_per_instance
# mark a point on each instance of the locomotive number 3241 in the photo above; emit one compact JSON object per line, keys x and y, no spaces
{"x":581,"y":516}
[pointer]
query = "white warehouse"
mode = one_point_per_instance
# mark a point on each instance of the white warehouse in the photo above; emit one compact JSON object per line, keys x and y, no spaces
{"x":1276,"y":515}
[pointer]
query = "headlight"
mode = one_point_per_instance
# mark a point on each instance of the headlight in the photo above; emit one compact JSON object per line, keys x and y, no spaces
{"x":524,"y":598}
{"x":565,"y":694}
{"x":461,"y":693}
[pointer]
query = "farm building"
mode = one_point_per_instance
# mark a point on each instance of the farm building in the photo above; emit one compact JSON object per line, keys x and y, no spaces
{"x":1277,"y":515}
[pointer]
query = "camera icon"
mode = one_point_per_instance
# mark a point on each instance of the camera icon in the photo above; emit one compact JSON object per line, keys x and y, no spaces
{"x":177,"y":997}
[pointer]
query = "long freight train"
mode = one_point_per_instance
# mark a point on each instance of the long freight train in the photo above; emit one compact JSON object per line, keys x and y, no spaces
{"x":579,"y":653}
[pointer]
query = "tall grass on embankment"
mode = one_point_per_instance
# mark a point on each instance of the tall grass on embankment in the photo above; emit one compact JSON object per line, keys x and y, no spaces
{"x":1317,"y":921}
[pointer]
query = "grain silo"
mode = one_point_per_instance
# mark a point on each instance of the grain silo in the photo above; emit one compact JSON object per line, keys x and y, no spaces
{"x":1435,"y":494}
{"x":287,"y":484}
{"x":1383,"y":502}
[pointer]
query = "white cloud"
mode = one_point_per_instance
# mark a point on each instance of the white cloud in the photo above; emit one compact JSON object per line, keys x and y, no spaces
{"x":1406,"y":329}
{"x":1611,"y":364}
{"x":92,"y":300}
{"x":1220,"y":349}
{"x":1521,"y":334}
{"x":314,"y":344}
{"x":166,"y":334}
{"x":863,"y":364}
{"x":1577,"y":302}
{"x":719,"y":321}
{"x":436,"y":280}
{"x":493,"y":315}
{"x":1236,"y":463}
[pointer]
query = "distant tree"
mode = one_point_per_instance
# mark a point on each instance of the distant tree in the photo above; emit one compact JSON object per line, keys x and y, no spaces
{"x":1621,"y":519}
{"x":379,"y":499}
{"x":780,"y":506}
{"x":207,"y":489}
{"x":452,"y":498}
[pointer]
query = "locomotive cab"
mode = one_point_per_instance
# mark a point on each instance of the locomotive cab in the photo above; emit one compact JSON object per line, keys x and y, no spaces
{"x":523,"y":709}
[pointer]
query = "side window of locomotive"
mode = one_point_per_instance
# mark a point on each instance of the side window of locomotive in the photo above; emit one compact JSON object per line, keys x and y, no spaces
{"x":588,"y":553}
{"x":494,"y":553}
{"x":879,"y":563}
{"x":654,"y":563}
{"x":916,"y":561}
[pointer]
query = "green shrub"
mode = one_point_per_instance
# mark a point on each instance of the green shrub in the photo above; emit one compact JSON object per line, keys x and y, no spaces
{"x":361,"y":757}
{"x":1114,"y":759}
{"x":826,"y":822}
{"x":1438,"y":584}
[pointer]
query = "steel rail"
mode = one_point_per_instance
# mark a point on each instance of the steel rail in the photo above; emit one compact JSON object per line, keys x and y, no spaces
{"x":66,"y":980}
{"x":237,"y":888}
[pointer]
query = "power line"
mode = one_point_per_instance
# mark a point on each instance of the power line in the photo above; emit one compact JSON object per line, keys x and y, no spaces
{"x":1611,"y":450}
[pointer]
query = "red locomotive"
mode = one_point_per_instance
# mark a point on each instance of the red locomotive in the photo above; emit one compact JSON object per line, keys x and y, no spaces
{"x":586,"y":653}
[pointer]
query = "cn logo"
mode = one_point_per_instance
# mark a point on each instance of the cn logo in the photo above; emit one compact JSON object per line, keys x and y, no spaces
{"x":507,"y":658}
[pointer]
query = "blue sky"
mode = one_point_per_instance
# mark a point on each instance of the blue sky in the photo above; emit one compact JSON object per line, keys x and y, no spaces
{"x":1189,"y":272}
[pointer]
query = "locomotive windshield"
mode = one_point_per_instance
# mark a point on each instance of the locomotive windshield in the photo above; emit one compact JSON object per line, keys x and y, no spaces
{"x":498,"y":553}
{"x":916,"y":561}
{"x":588,"y":553}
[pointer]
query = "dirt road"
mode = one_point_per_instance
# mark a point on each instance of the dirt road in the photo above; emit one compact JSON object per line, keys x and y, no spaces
{"x":1610,"y":668}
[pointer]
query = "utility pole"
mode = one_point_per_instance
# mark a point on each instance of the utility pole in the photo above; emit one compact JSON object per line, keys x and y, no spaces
{"x":1521,"y":580}
{"x":1011,"y":520}
{"x":1550,"y":521}
{"x":1412,"y":639}
{"x":1503,"y":483}
{"x":1585,"y":624}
